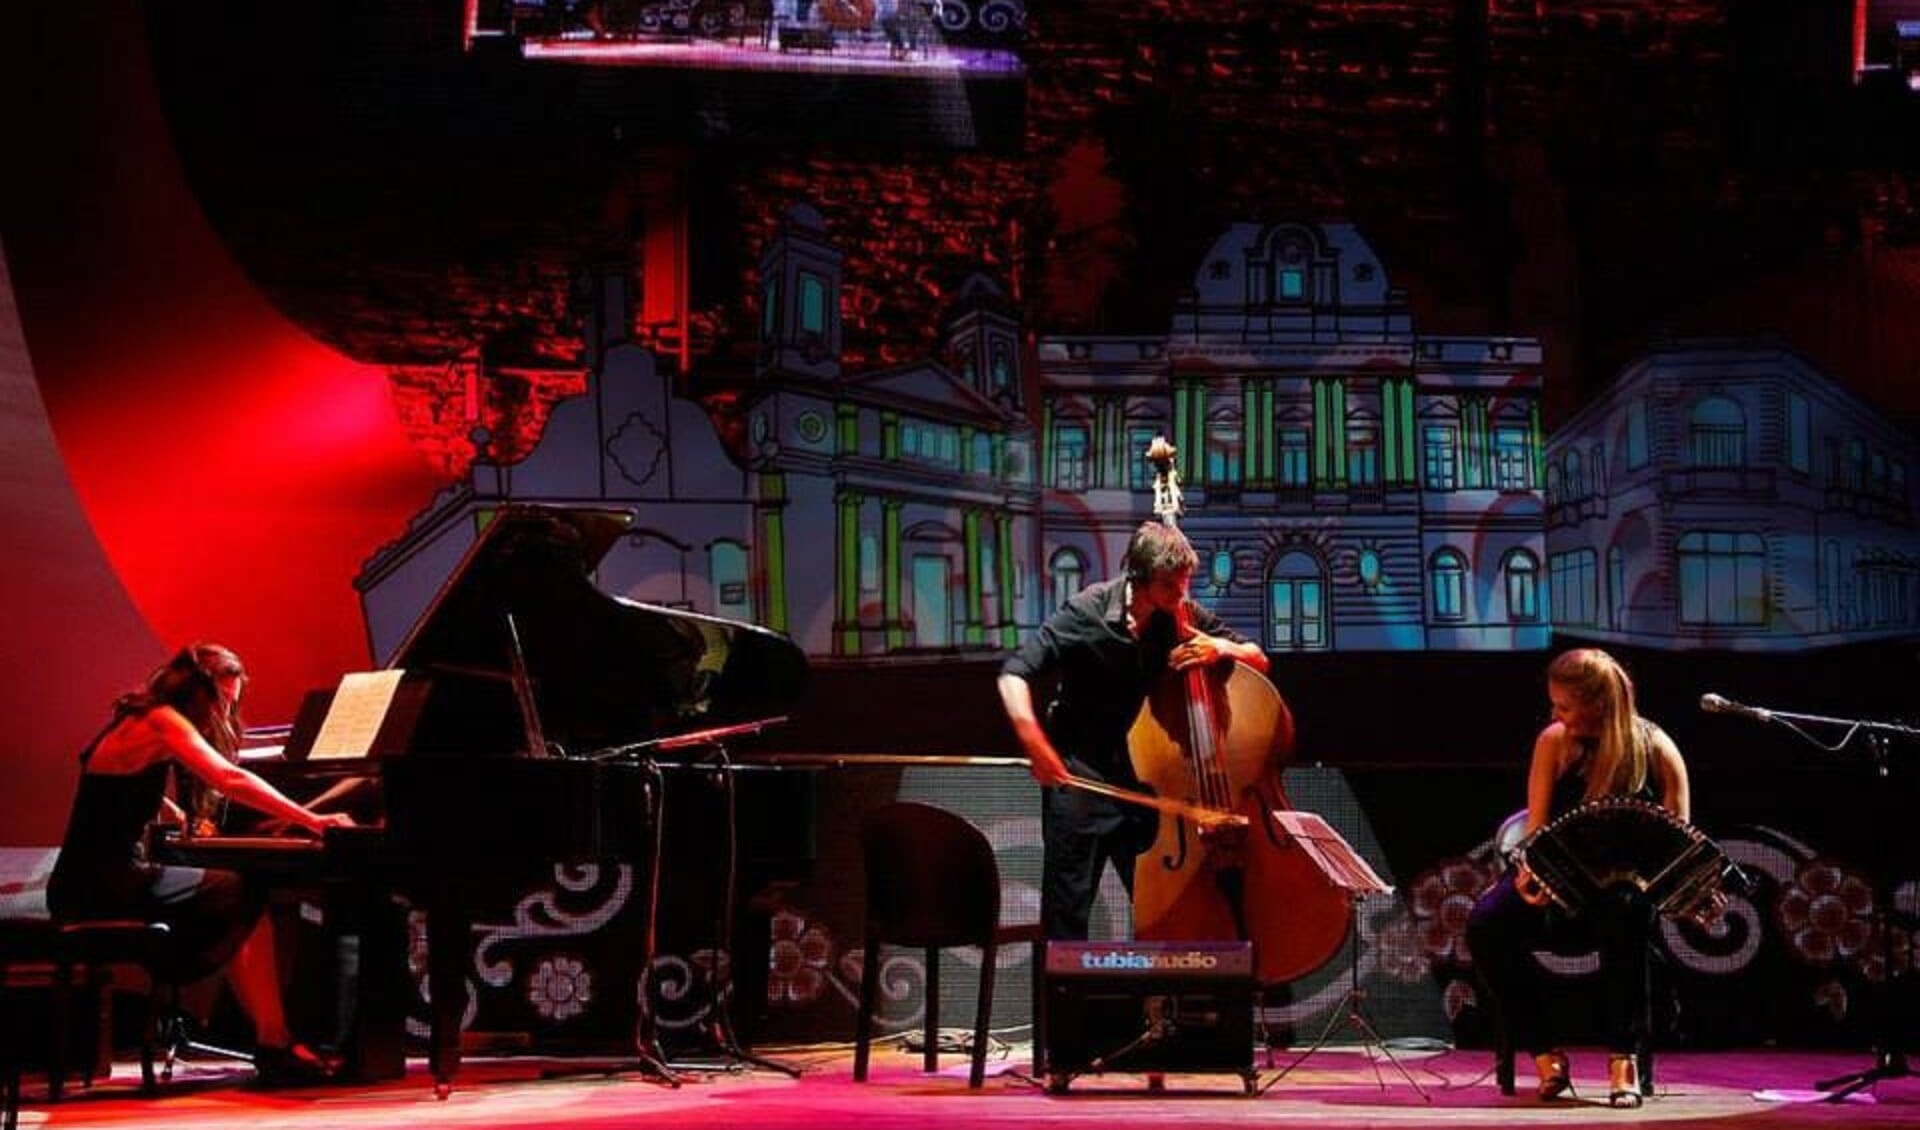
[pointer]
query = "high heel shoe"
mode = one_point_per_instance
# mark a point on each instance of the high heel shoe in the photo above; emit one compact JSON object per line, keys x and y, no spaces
{"x":292,"y":1066}
{"x":1623,"y":1082}
{"x":1556,"y":1076}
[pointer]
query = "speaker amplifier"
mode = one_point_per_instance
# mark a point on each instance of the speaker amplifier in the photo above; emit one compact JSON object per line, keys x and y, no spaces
{"x":1148,"y":1007}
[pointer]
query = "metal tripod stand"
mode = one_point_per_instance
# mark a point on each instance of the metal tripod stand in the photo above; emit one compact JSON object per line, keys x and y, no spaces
{"x":1351,"y":1012}
{"x":1345,"y":871}
{"x":719,"y":1028}
{"x":1889,"y":1062}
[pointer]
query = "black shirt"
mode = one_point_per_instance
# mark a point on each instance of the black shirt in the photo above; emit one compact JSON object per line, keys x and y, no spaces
{"x":1103,"y":674}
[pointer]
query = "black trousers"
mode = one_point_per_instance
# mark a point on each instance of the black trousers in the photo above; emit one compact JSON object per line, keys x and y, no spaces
{"x":1082,"y":833}
{"x":1503,"y":931}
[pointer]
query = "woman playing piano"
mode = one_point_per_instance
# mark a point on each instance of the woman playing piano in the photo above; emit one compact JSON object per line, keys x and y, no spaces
{"x":188,"y":716}
{"x":1597,"y":745}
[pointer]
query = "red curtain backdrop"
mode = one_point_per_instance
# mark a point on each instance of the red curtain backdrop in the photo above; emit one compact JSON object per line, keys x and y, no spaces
{"x":234,"y":472}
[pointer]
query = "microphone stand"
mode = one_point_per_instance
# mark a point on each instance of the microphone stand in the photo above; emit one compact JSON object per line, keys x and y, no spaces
{"x":1159,"y":1028}
{"x":1889,"y":1061}
{"x":1874,"y":730}
{"x":719,"y":986}
{"x":647,"y":1049}
{"x":649,"y":1059}
{"x":720,"y":1027}
{"x":711,"y":737}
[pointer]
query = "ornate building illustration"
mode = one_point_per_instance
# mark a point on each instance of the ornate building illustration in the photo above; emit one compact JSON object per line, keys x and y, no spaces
{"x":1730,"y":495}
{"x":1349,"y":483}
{"x":862,"y":513}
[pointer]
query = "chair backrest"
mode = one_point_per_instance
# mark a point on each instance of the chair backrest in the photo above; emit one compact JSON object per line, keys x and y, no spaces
{"x":931,"y":877}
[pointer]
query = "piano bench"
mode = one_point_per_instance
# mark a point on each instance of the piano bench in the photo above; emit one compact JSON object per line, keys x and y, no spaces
{"x":56,"y":959}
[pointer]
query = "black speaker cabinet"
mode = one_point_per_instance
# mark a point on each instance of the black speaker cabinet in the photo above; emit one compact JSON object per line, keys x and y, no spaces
{"x":1148,"y":1007}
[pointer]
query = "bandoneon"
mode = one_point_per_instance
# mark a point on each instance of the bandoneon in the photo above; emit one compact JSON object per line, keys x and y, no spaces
{"x":1619,"y":841}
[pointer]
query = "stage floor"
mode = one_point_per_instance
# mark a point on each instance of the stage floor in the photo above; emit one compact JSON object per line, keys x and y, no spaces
{"x":1333,"y":1089}
{"x":870,"y":56}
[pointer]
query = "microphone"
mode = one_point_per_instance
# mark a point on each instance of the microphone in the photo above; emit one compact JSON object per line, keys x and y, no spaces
{"x":1714,"y":704}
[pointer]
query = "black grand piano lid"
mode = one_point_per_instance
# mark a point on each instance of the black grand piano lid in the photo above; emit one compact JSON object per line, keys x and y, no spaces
{"x":605,"y":671}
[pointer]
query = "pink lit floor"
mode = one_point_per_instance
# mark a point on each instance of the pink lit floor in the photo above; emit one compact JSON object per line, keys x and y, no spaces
{"x":1334,"y":1089}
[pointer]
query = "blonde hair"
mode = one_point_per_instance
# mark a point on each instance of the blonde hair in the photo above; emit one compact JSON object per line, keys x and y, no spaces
{"x":1599,"y":684}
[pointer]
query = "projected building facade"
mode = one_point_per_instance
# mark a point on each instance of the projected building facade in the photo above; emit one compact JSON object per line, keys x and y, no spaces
{"x":1349,"y":483}
{"x":1730,"y":495}
{"x":863,"y":513}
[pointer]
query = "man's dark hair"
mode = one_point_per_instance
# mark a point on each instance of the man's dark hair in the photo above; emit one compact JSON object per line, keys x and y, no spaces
{"x":1157,"y":548}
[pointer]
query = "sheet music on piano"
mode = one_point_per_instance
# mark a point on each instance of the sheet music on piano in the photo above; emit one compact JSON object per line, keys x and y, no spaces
{"x":354,"y":717}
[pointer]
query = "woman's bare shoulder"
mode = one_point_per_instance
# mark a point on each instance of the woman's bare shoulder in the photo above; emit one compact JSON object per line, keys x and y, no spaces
{"x":1551,"y":744}
{"x":133,"y":743}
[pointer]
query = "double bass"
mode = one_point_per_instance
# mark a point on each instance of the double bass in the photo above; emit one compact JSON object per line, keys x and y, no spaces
{"x":1211,"y":742}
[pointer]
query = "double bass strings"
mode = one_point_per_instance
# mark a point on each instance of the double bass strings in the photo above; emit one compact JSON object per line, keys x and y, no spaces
{"x":1210,"y":774}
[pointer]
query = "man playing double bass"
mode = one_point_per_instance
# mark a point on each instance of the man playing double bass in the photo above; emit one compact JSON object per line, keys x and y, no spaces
{"x":1102,"y":653}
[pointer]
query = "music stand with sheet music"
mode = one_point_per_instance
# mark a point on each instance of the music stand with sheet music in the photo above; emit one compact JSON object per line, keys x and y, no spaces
{"x":1345,"y":870}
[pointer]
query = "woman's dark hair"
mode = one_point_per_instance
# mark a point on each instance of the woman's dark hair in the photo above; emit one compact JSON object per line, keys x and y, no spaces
{"x":187,"y":682}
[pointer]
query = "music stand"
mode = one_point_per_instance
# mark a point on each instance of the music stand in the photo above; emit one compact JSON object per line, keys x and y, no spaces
{"x":1346,"y":871}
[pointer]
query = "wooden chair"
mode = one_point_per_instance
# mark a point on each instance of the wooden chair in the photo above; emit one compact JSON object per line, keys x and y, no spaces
{"x":62,"y":959}
{"x":1504,"y":1055}
{"x":932,"y":882}
{"x":1511,"y":832}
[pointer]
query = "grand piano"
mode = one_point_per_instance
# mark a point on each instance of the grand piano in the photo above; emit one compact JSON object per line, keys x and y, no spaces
{"x":525,"y":728}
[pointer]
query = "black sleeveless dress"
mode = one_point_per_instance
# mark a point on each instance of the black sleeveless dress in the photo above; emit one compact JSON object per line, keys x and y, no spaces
{"x":102,"y":872}
{"x":1504,"y":931}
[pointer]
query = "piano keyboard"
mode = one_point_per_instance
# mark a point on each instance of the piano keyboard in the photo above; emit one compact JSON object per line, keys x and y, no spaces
{"x":340,"y":852}
{"x":265,"y":845}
